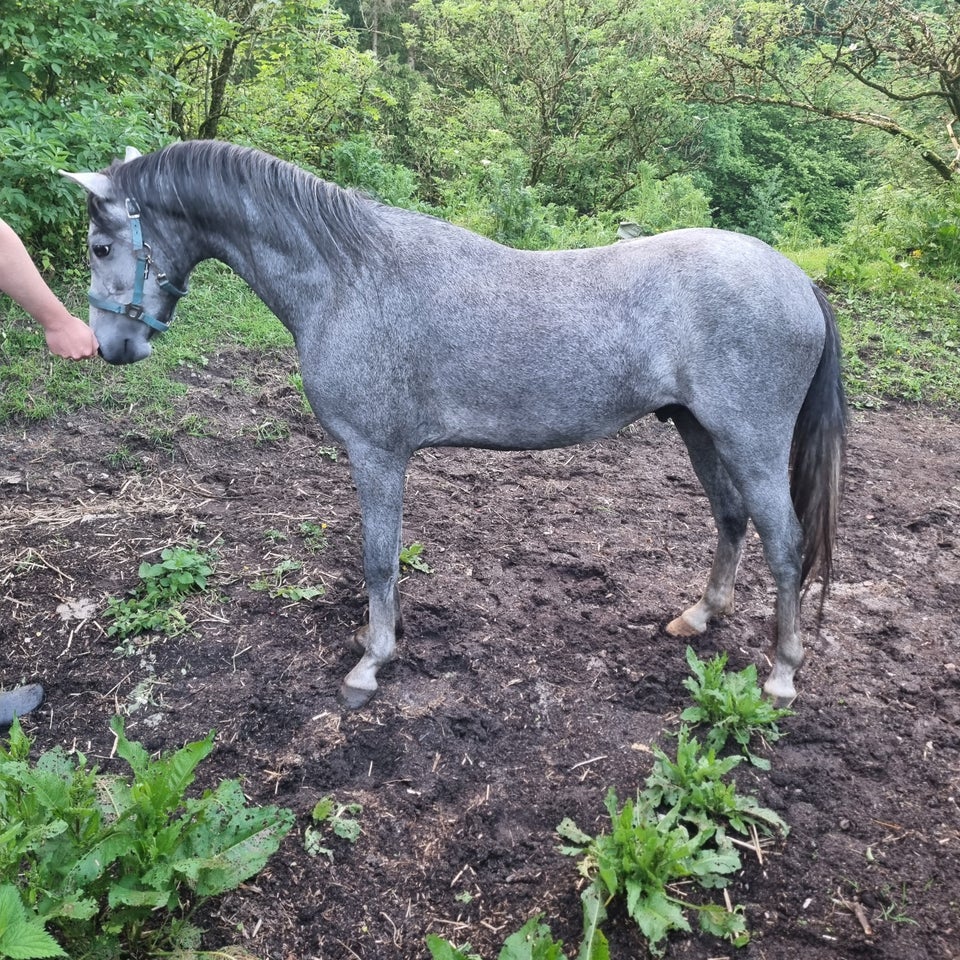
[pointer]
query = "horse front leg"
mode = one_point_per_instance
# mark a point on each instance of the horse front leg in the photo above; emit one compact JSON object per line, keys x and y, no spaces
{"x":379,"y":481}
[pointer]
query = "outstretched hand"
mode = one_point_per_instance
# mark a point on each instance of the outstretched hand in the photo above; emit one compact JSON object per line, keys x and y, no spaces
{"x":71,"y":339}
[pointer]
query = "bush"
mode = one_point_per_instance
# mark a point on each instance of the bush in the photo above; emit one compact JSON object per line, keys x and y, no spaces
{"x":666,"y":203}
{"x":79,"y":79}
{"x":358,"y":163}
{"x":898,"y":232}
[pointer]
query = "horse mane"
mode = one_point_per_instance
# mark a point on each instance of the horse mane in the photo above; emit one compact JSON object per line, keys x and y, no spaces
{"x":200,"y":179}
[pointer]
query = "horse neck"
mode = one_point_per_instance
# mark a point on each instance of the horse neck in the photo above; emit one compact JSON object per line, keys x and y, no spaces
{"x":291,"y":264}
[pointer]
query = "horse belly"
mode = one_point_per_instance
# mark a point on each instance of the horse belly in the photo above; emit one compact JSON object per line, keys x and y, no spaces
{"x":532,"y":415}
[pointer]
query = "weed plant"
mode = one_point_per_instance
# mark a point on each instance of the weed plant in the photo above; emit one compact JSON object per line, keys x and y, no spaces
{"x":695,"y":786}
{"x":314,"y":536}
{"x":339,"y":818}
{"x":154,"y":605}
{"x":639,"y":860}
{"x":675,"y":831}
{"x":732,"y":705}
{"x":533,"y":941}
{"x":97,"y":866}
{"x":277,"y":583}
{"x":412,"y":559}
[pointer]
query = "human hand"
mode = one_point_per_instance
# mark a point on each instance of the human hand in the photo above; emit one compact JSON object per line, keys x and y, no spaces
{"x":71,"y":338}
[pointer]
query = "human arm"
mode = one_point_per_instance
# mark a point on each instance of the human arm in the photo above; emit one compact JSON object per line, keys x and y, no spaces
{"x":67,"y":335}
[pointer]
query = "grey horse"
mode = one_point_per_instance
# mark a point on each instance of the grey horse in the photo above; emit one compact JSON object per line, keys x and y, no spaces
{"x":413,"y":332}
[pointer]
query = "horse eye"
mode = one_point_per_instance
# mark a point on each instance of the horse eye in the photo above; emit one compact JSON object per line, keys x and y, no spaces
{"x":101,"y":250}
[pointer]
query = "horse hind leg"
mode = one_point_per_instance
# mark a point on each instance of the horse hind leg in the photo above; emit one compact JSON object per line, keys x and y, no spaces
{"x":361,"y":636}
{"x":730,"y":516}
{"x":762,"y":478}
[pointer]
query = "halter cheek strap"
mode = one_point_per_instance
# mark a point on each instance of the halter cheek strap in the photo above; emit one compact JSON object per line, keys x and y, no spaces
{"x":134,"y":308}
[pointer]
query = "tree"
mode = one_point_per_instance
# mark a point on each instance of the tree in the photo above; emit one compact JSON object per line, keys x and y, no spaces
{"x":772,"y":172}
{"x":289,"y":79}
{"x":79,"y":79}
{"x":572,"y":84}
{"x":199,"y":105}
{"x":890,"y":65}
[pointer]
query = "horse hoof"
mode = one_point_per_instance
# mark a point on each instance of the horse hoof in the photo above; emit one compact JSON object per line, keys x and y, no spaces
{"x":353,"y":698}
{"x":20,"y":700}
{"x":682,"y":628}
{"x":782,"y":695}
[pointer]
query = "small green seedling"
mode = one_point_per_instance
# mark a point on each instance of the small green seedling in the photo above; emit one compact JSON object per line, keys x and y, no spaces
{"x":314,"y":536}
{"x":271,"y":430}
{"x":277,"y":586}
{"x":338,"y":817}
{"x":733,"y":705}
{"x":154,"y":605}
{"x":411,"y":558}
{"x":533,"y":941}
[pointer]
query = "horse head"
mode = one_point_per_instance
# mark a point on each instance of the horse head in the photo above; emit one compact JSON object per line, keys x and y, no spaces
{"x":131,"y":297}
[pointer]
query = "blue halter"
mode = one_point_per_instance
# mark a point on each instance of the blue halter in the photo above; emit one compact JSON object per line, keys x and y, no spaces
{"x":134,"y":309}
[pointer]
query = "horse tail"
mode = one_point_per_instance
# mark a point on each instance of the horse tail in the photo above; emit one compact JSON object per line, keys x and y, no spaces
{"x":817,"y":457}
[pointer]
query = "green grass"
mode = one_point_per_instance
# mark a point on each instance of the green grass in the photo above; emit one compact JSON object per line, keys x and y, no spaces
{"x":812,"y":260}
{"x":900,"y":328}
{"x":901,"y":346}
{"x":221,"y":313}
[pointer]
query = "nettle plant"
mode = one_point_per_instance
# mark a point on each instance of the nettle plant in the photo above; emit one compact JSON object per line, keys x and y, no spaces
{"x":154,"y":605}
{"x":531,"y":942}
{"x":97,"y":866}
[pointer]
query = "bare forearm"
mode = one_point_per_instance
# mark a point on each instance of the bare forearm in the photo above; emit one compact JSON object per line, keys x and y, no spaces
{"x":20,"y":279}
{"x":67,"y":335}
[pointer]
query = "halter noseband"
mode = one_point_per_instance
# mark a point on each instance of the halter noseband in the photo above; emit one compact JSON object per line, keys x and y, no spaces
{"x":134,"y":309}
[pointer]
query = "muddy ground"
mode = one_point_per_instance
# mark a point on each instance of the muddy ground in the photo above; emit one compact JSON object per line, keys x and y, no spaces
{"x":534,"y":674}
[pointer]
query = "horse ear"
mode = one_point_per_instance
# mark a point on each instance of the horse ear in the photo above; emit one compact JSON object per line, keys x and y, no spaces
{"x":98,"y":184}
{"x":131,"y":154}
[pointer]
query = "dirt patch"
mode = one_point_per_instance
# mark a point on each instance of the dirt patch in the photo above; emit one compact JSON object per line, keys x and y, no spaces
{"x":534,"y":671}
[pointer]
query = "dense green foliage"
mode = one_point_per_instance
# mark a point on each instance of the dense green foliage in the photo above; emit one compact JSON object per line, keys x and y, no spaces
{"x":78,"y":79}
{"x":116,"y":865}
{"x":540,"y":122}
